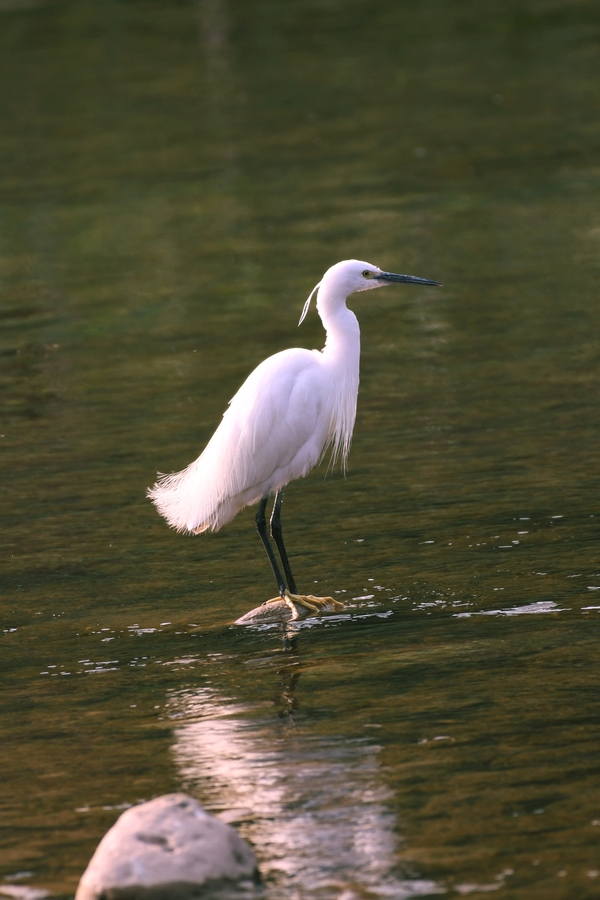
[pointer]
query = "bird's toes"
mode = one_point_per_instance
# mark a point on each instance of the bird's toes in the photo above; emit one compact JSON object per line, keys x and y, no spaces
{"x":315,"y":604}
{"x":325,"y":602}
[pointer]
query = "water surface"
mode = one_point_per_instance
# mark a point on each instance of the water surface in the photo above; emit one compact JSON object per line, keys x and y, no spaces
{"x":174,"y":178}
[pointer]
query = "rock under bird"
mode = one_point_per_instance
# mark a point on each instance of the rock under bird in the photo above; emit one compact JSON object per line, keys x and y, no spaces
{"x":291,"y":409}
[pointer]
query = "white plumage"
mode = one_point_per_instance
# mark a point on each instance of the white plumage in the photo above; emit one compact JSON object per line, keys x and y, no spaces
{"x":265,"y":439}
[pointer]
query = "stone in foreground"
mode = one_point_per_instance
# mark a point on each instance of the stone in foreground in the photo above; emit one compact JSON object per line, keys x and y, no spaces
{"x":274,"y":611}
{"x":169,"y":849}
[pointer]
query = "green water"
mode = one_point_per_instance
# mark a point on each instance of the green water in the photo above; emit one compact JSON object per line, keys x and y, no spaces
{"x":174,"y":179}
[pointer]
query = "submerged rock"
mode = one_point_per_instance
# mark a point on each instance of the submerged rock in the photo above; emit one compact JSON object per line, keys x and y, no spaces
{"x":270,"y":613}
{"x":169,"y":849}
{"x":274,"y":611}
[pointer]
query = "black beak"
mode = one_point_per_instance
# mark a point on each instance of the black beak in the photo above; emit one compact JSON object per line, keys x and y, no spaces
{"x":404,"y":279}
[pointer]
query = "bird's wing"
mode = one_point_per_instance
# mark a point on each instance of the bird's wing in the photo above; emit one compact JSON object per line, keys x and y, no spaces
{"x":274,"y":430}
{"x":276,"y":424}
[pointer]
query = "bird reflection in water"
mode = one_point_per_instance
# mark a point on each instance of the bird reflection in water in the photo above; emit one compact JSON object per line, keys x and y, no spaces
{"x":285,"y":699}
{"x":314,"y":806}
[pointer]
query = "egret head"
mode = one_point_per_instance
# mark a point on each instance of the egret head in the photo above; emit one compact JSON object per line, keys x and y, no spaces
{"x":352,"y":275}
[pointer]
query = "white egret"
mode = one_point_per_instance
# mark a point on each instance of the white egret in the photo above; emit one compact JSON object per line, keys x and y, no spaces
{"x":289,"y":411}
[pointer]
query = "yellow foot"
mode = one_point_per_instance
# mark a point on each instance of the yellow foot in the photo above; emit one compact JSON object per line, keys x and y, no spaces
{"x":308,"y":601}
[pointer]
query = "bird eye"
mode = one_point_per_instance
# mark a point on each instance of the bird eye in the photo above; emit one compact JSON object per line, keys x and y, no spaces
{"x":367,"y":274}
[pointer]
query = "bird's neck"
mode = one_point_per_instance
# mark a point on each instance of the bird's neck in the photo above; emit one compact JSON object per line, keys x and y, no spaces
{"x":341,"y":357}
{"x":342,"y":343}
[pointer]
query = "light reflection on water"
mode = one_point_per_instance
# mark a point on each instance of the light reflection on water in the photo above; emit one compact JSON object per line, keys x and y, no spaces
{"x":530,"y":609}
{"x":314,"y":809}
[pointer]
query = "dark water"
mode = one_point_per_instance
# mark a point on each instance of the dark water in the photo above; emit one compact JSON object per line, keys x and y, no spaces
{"x":174,"y":178}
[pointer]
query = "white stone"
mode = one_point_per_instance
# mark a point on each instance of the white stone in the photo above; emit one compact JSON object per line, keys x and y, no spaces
{"x":168,"y":849}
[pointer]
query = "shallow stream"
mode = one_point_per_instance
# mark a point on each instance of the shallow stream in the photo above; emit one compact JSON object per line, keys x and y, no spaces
{"x":174,"y":179}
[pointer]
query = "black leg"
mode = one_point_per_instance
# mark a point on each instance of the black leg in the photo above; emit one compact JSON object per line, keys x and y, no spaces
{"x":261,"y":527}
{"x":277,"y":535}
